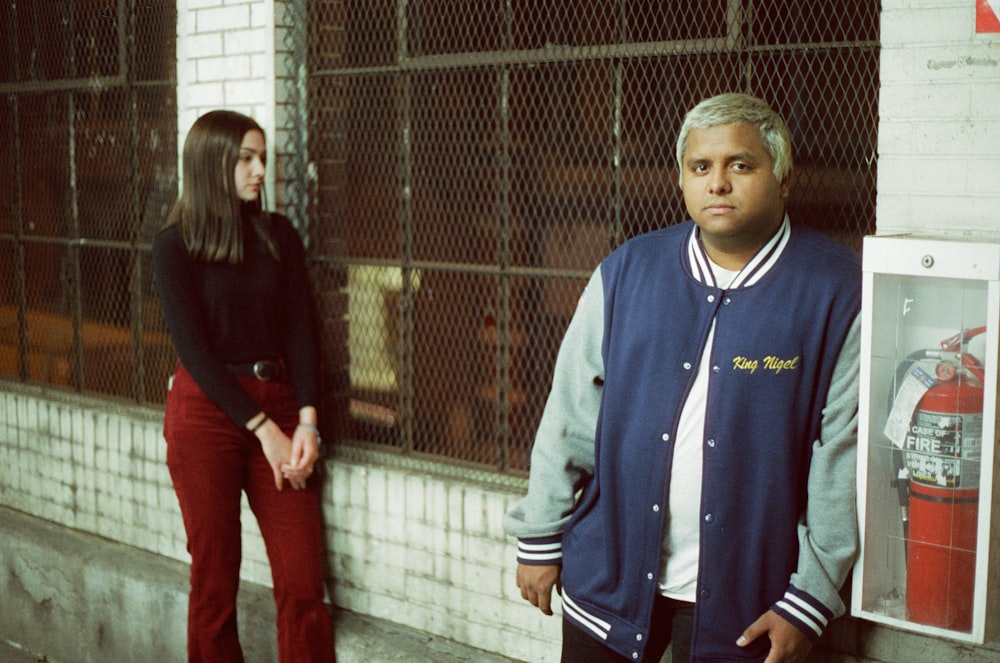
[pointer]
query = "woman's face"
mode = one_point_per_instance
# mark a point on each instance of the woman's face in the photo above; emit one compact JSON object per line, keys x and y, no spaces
{"x":250,"y":166}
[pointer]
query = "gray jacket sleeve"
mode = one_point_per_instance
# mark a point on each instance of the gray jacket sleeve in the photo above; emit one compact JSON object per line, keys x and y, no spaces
{"x":562,"y":458}
{"x":828,"y":531}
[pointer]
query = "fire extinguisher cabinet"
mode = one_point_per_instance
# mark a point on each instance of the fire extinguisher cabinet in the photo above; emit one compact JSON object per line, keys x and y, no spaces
{"x":927,"y":443}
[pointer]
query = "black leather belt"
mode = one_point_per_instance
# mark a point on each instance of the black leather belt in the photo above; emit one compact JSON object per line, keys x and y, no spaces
{"x":264,"y":370}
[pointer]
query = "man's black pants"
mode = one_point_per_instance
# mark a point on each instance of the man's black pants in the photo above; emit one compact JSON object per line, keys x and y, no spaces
{"x":671,"y":625}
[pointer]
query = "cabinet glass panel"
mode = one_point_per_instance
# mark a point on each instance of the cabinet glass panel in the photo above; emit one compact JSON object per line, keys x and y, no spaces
{"x":924,"y":452}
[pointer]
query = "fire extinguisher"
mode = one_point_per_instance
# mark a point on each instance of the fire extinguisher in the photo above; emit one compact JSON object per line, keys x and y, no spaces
{"x":938,"y":483}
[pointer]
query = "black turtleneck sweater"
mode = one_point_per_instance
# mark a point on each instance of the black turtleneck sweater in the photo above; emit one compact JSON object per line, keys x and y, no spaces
{"x":220,"y":314}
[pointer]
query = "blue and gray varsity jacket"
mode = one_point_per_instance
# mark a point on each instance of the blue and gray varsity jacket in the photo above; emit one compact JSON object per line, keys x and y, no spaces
{"x":778,"y":526}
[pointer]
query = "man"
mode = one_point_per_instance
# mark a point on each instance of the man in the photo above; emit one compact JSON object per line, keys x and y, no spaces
{"x":693,"y":475}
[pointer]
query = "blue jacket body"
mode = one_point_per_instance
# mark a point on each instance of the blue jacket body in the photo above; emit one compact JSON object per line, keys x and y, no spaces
{"x":776,"y":344}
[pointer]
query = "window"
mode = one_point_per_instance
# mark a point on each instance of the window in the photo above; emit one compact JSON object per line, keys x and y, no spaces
{"x":88,"y":121}
{"x":476,"y":160}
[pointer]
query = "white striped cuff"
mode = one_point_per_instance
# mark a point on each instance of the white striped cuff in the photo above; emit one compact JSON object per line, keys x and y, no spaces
{"x":539,"y":551}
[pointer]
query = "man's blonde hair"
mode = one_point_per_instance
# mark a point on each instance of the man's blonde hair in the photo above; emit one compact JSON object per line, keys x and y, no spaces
{"x":735,"y":108}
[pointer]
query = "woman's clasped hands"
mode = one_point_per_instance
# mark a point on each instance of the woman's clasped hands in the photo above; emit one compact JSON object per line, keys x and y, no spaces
{"x":292,"y":459}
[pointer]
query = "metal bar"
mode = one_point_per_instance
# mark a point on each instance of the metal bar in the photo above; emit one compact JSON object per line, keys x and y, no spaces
{"x":556,"y":54}
{"x":72,"y":295}
{"x":504,"y":315}
{"x":404,"y":174}
{"x":618,"y":151}
{"x":20,"y":259}
{"x":505,"y":221}
{"x":94,"y":84}
{"x":296,"y":157}
{"x":136,"y":200}
{"x":126,"y":33}
{"x":477,"y":269}
{"x":51,"y":240}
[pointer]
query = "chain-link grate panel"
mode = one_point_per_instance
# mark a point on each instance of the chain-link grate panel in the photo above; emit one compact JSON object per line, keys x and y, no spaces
{"x":475,"y":161}
{"x":89,"y":117}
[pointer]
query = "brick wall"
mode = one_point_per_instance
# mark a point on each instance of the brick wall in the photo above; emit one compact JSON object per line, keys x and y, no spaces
{"x":426,"y":548}
{"x":226,"y":59}
{"x":414,"y":543}
{"x":939,"y":127}
{"x":421,"y":543}
{"x":939,"y":158}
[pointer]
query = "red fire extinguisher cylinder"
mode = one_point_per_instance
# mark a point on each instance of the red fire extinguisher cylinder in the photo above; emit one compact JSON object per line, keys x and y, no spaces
{"x":942,"y":456}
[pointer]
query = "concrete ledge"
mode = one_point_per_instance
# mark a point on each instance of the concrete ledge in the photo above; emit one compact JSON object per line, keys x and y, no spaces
{"x":72,"y":597}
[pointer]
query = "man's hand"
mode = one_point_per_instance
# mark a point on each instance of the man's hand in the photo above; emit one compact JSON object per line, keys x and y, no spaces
{"x":536,"y":583}
{"x":788,"y":644}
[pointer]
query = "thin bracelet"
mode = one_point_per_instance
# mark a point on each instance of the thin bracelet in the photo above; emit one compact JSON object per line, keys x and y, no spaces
{"x":313,"y":428}
{"x":259,"y":424}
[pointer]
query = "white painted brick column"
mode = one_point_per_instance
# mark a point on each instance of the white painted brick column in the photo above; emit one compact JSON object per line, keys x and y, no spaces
{"x":939,"y":121}
{"x":226,"y":59}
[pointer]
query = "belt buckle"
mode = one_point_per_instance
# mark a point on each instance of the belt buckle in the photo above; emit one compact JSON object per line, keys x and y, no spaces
{"x":265,"y":371}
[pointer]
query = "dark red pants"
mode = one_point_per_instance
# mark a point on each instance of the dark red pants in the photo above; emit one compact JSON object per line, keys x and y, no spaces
{"x":211,"y":461}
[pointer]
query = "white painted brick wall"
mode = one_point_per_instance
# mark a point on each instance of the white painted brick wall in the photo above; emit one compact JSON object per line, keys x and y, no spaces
{"x":226,"y":59}
{"x":432,"y":554}
{"x":414,"y":546}
{"x":939,"y":132}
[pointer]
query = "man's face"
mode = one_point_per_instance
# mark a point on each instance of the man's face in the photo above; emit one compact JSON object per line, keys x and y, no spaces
{"x":731,"y":192}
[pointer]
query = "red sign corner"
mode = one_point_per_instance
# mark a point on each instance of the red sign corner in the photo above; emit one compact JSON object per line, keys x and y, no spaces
{"x":987,"y":16}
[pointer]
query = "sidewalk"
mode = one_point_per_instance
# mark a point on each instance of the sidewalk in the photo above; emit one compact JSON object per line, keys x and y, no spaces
{"x":359,"y":639}
{"x":11,"y":654}
{"x":52,"y":571}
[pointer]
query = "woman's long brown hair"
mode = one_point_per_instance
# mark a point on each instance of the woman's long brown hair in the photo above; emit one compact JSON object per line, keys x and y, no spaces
{"x":208,"y":210}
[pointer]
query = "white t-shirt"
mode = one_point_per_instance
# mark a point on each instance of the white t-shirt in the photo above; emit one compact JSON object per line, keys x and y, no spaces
{"x":679,"y":566}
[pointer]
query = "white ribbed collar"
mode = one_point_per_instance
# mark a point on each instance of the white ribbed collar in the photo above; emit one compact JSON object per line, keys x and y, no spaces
{"x":753,"y":271}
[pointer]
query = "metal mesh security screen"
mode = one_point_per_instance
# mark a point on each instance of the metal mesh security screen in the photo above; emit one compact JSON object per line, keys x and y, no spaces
{"x":88,"y":124}
{"x":475,"y":160}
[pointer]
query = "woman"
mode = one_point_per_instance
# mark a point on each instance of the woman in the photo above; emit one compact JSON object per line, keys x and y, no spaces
{"x":241,"y":413}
